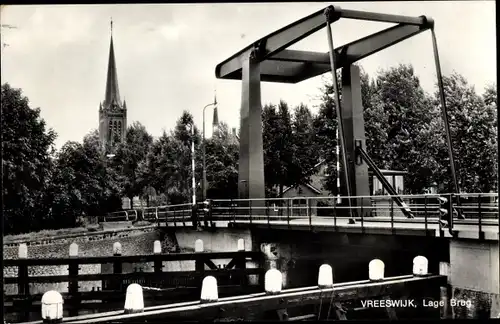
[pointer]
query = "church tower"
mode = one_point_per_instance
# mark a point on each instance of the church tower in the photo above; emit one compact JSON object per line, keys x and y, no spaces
{"x":215,"y":120}
{"x":112,"y":111}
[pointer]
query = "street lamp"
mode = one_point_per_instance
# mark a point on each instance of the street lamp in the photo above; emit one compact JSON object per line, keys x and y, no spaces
{"x":203,"y":183}
{"x":190,"y":127}
{"x":337,"y":154}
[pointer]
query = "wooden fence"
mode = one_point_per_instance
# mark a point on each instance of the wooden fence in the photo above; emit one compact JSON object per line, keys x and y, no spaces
{"x":166,"y":286}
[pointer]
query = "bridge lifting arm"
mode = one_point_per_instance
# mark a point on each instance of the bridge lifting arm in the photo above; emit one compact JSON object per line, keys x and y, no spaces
{"x":276,"y":63}
{"x":291,"y":66}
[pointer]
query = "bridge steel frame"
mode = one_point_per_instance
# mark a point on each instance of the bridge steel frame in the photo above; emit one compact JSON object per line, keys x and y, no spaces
{"x":269,"y":60}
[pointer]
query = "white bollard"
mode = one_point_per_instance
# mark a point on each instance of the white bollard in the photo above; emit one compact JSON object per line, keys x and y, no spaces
{"x":376,"y":269}
{"x":134,"y":301}
{"x":325,"y":276}
{"x":23,"y":251}
{"x":52,"y":307}
{"x":198,"y":246}
{"x":273,"y":281}
{"x":73,"y":250}
{"x":241,"y":245}
{"x":117,"y":248}
{"x":209,"y":290}
{"x":157,"y":247}
{"x":420,"y":266}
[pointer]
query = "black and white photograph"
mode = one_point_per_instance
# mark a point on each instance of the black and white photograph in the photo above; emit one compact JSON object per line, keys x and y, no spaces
{"x":267,"y":161}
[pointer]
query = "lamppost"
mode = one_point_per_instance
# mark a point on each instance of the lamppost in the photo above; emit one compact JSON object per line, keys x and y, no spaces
{"x":203,"y":183}
{"x":190,"y":127}
{"x":337,"y":154}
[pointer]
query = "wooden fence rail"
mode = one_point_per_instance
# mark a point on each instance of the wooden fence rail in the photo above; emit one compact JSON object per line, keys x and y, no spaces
{"x":274,"y":302}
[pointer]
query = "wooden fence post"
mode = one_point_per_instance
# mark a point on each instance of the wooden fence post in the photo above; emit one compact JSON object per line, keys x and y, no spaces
{"x":157,"y":262}
{"x":199,"y":263}
{"x":241,"y":263}
{"x":116,"y":284}
{"x":23,"y":283}
{"x":23,"y":286}
{"x":73,"y":267}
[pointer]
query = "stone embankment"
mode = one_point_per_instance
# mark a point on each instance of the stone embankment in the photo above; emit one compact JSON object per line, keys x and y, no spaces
{"x":134,"y":241}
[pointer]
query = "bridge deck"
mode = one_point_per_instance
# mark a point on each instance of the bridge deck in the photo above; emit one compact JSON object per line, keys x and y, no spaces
{"x":381,"y":225}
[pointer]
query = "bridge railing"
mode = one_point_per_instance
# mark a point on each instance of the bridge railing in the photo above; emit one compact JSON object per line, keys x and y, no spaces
{"x":122,"y":215}
{"x":430,"y":209}
{"x":180,"y":213}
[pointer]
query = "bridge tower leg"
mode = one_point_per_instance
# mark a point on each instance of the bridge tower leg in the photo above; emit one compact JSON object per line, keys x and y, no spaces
{"x":251,"y":160}
{"x":354,"y":130}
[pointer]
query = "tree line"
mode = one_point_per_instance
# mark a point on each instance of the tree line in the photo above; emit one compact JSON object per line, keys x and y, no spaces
{"x":404,"y":131}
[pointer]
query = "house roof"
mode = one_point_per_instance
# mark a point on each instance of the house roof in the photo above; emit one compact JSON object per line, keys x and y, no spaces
{"x":315,"y":184}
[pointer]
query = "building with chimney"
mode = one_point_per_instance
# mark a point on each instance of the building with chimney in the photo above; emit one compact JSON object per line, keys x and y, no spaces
{"x":112,"y":111}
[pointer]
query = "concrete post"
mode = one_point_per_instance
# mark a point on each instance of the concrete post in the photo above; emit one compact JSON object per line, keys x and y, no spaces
{"x":354,"y":129}
{"x":251,"y":160}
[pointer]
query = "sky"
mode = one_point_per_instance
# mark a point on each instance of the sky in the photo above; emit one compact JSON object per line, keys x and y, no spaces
{"x":166,"y":55}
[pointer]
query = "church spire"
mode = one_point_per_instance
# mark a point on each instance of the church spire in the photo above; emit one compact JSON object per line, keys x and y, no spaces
{"x":215,"y":122}
{"x":112,"y":92}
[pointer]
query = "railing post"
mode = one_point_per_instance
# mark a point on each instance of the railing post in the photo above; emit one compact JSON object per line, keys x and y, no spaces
{"x":425,"y":215}
{"x":73,"y":268}
{"x":207,"y":212}
{"x":335,"y":201}
{"x":479,"y":220}
{"x":194,"y":216}
{"x":308,"y":203}
{"x":267,"y":210}
{"x":450,"y":214}
{"x":250,"y":210}
{"x":288,"y":211}
{"x":392,"y":216}
{"x":268,"y":216}
{"x":184,"y":216}
{"x":233,"y":210}
{"x":362,"y":218}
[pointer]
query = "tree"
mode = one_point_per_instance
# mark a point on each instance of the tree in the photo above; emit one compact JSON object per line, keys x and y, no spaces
{"x":305,"y":153}
{"x":222,"y":165}
{"x":27,"y":145}
{"x":375,"y":121}
{"x":83,"y":183}
{"x":278,"y":147}
{"x":325,"y":134}
{"x":167,"y":165}
{"x":128,"y":157}
{"x":407,"y":108}
{"x":183,"y":136}
{"x":472,"y":121}
{"x":270,"y":126}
